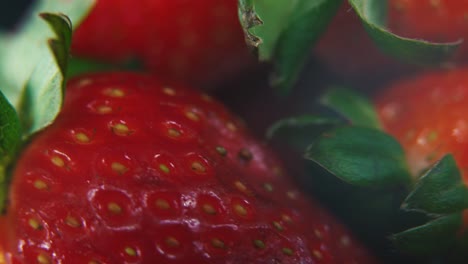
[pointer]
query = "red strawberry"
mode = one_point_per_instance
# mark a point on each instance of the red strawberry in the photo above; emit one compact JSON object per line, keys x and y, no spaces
{"x":195,"y":41}
{"x":428,"y":115}
{"x":347,"y":48}
{"x":135,"y":171}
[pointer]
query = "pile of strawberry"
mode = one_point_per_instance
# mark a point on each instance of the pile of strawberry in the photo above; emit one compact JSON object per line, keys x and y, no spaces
{"x":112,"y":151}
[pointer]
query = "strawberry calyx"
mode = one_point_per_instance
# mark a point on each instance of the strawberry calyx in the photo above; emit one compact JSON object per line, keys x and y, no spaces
{"x":368,"y":167}
{"x":283,"y":32}
{"x":32,"y":96}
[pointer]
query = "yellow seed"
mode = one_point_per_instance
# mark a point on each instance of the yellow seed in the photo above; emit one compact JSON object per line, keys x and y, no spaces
{"x":240,"y":186}
{"x":114,"y":92}
{"x":317,"y":254}
{"x":292,"y":195}
{"x":173,"y":133}
{"x":231,"y":126}
{"x":206,"y":98}
{"x":73,"y":222}
{"x":35,"y":224}
{"x":318,"y":234}
{"x":198,"y":167}
{"x":84,"y":82}
{"x":278,"y":226}
{"x":345,"y":241}
{"x":40,"y":185}
{"x":43,"y":259}
{"x":82,"y":137}
{"x":209,"y":209}
{"x":114,"y":208}
{"x":268,"y":187}
{"x":120,"y":129}
{"x":432,"y":136}
{"x":259,"y":243}
{"x":162,"y":204}
{"x":119,"y":168}
{"x":104,"y":109}
{"x":217,"y":243}
{"x":277,"y":171}
{"x":435,"y":3}
{"x":286,"y":218}
{"x":130,"y":251}
{"x":57,"y":161}
{"x":172,"y":242}
{"x":164,"y":168}
{"x":169,"y":91}
{"x":287,"y":251}
{"x":240,"y":210}
{"x":221,"y":150}
{"x":192,"y":116}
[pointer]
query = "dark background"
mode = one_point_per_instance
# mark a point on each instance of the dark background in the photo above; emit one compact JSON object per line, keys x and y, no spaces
{"x":11,"y":11}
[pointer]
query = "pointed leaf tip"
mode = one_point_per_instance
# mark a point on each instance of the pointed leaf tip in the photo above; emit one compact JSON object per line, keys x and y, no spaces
{"x":440,"y":190}
{"x":434,"y":237}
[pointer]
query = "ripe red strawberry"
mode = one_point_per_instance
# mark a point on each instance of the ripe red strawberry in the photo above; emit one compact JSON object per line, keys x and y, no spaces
{"x":428,"y":115}
{"x":347,"y":48}
{"x":136,"y":171}
{"x":195,"y":41}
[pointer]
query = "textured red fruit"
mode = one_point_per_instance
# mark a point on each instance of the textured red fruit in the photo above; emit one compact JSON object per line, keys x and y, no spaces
{"x":347,"y":48}
{"x":135,"y":171}
{"x":195,"y":41}
{"x":428,"y":114}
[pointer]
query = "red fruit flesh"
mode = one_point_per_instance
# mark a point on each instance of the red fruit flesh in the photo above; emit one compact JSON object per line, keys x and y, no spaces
{"x":135,"y":171}
{"x":195,"y":41}
{"x":428,"y":116}
{"x":347,"y":48}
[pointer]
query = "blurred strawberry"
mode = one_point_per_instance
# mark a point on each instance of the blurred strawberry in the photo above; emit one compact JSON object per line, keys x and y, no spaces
{"x":196,"y":41}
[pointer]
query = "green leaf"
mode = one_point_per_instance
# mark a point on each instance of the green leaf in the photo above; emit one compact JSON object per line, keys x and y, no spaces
{"x":361,"y":156}
{"x":431,"y":238}
{"x":408,"y":50}
{"x":47,"y":81}
{"x":440,"y":191}
{"x":284,"y":31}
{"x":34,"y":59}
{"x":300,"y":131}
{"x":352,"y":106}
{"x":10,"y":139}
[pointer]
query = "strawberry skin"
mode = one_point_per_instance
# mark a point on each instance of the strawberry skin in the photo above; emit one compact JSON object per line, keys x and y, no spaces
{"x":136,"y":171}
{"x":428,"y":116}
{"x":195,"y":41}
{"x":347,"y":48}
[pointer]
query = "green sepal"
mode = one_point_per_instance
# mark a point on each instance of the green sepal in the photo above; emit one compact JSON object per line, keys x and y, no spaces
{"x":47,"y":81}
{"x":435,"y":237}
{"x":10,"y":140}
{"x":283,"y":32}
{"x":361,"y":156}
{"x":352,"y":106}
{"x":415,"y":51}
{"x":300,"y":131}
{"x":23,"y":50}
{"x":440,"y":190}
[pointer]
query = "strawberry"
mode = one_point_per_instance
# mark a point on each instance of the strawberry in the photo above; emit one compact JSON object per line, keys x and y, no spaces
{"x":347,"y":48}
{"x":136,"y":171}
{"x":427,"y":115}
{"x":195,"y":41}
